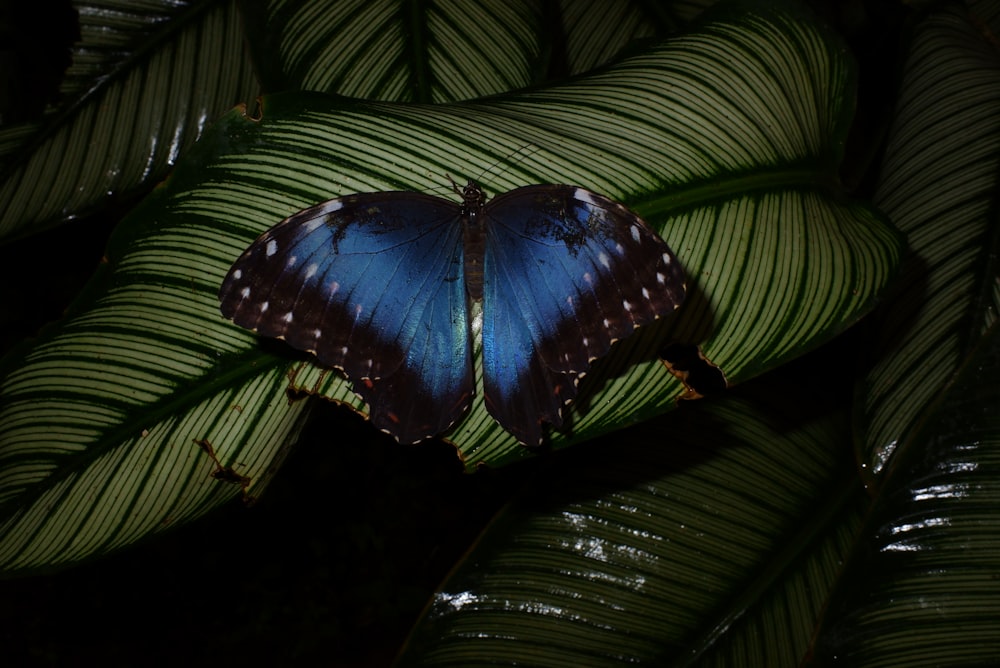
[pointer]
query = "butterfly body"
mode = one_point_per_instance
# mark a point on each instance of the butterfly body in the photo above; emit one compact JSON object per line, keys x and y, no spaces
{"x":379,"y":285}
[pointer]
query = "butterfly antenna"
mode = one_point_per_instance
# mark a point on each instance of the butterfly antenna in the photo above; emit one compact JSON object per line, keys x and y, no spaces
{"x":454,"y":186}
{"x":509,"y":160}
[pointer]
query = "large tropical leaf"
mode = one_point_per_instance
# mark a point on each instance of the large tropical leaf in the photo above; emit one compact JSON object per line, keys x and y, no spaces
{"x":726,"y":140}
{"x":712,"y":542}
{"x":920,"y":588}
{"x":400,"y":51}
{"x":145,"y":81}
{"x":940,"y":187}
{"x":596,"y":32}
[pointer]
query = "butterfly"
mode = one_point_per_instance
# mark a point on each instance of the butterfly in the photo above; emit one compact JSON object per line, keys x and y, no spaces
{"x":379,"y":285}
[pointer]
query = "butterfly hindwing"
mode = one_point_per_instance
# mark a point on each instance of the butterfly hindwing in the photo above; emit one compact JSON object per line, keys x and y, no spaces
{"x":371,"y":284}
{"x":375,"y":285}
{"x":566,"y":273}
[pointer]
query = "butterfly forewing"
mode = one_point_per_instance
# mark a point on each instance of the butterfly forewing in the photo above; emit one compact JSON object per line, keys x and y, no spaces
{"x":371,"y":284}
{"x":375,"y":285}
{"x":566,"y":273}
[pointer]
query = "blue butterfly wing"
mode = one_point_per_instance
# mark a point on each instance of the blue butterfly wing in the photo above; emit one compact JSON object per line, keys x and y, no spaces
{"x":371,"y":284}
{"x":566,"y":273}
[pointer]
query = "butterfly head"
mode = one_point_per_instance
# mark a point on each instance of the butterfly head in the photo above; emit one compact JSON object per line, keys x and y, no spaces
{"x":473,"y":199}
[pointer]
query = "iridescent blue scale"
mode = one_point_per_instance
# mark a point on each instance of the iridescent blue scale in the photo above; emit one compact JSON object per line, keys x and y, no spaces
{"x":378,"y":285}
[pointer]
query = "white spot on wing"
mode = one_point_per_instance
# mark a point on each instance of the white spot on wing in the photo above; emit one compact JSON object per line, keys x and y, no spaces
{"x":287,"y":317}
{"x":661,"y":278}
{"x":238,"y":274}
{"x":645,"y":294}
{"x":635,"y":233}
{"x":317,"y":333}
{"x":263,"y":306}
{"x":666,"y":259}
{"x":587,"y":278}
{"x":585,"y":196}
{"x":603,"y":259}
{"x":627,"y":305}
{"x":292,"y":260}
{"x":245,"y":292}
{"x":311,"y":270}
{"x":271,"y":248}
{"x":619,"y":248}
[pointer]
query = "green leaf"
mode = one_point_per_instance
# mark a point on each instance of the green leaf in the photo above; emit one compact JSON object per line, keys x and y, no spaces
{"x":404,"y":51}
{"x":940,"y":186}
{"x":921,"y":590}
{"x":435,"y":52}
{"x":146,"y":80}
{"x":726,"y":140}
{"x":597,"y":32}
{"x":710,"y":540}
{"x":98,"y":478}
